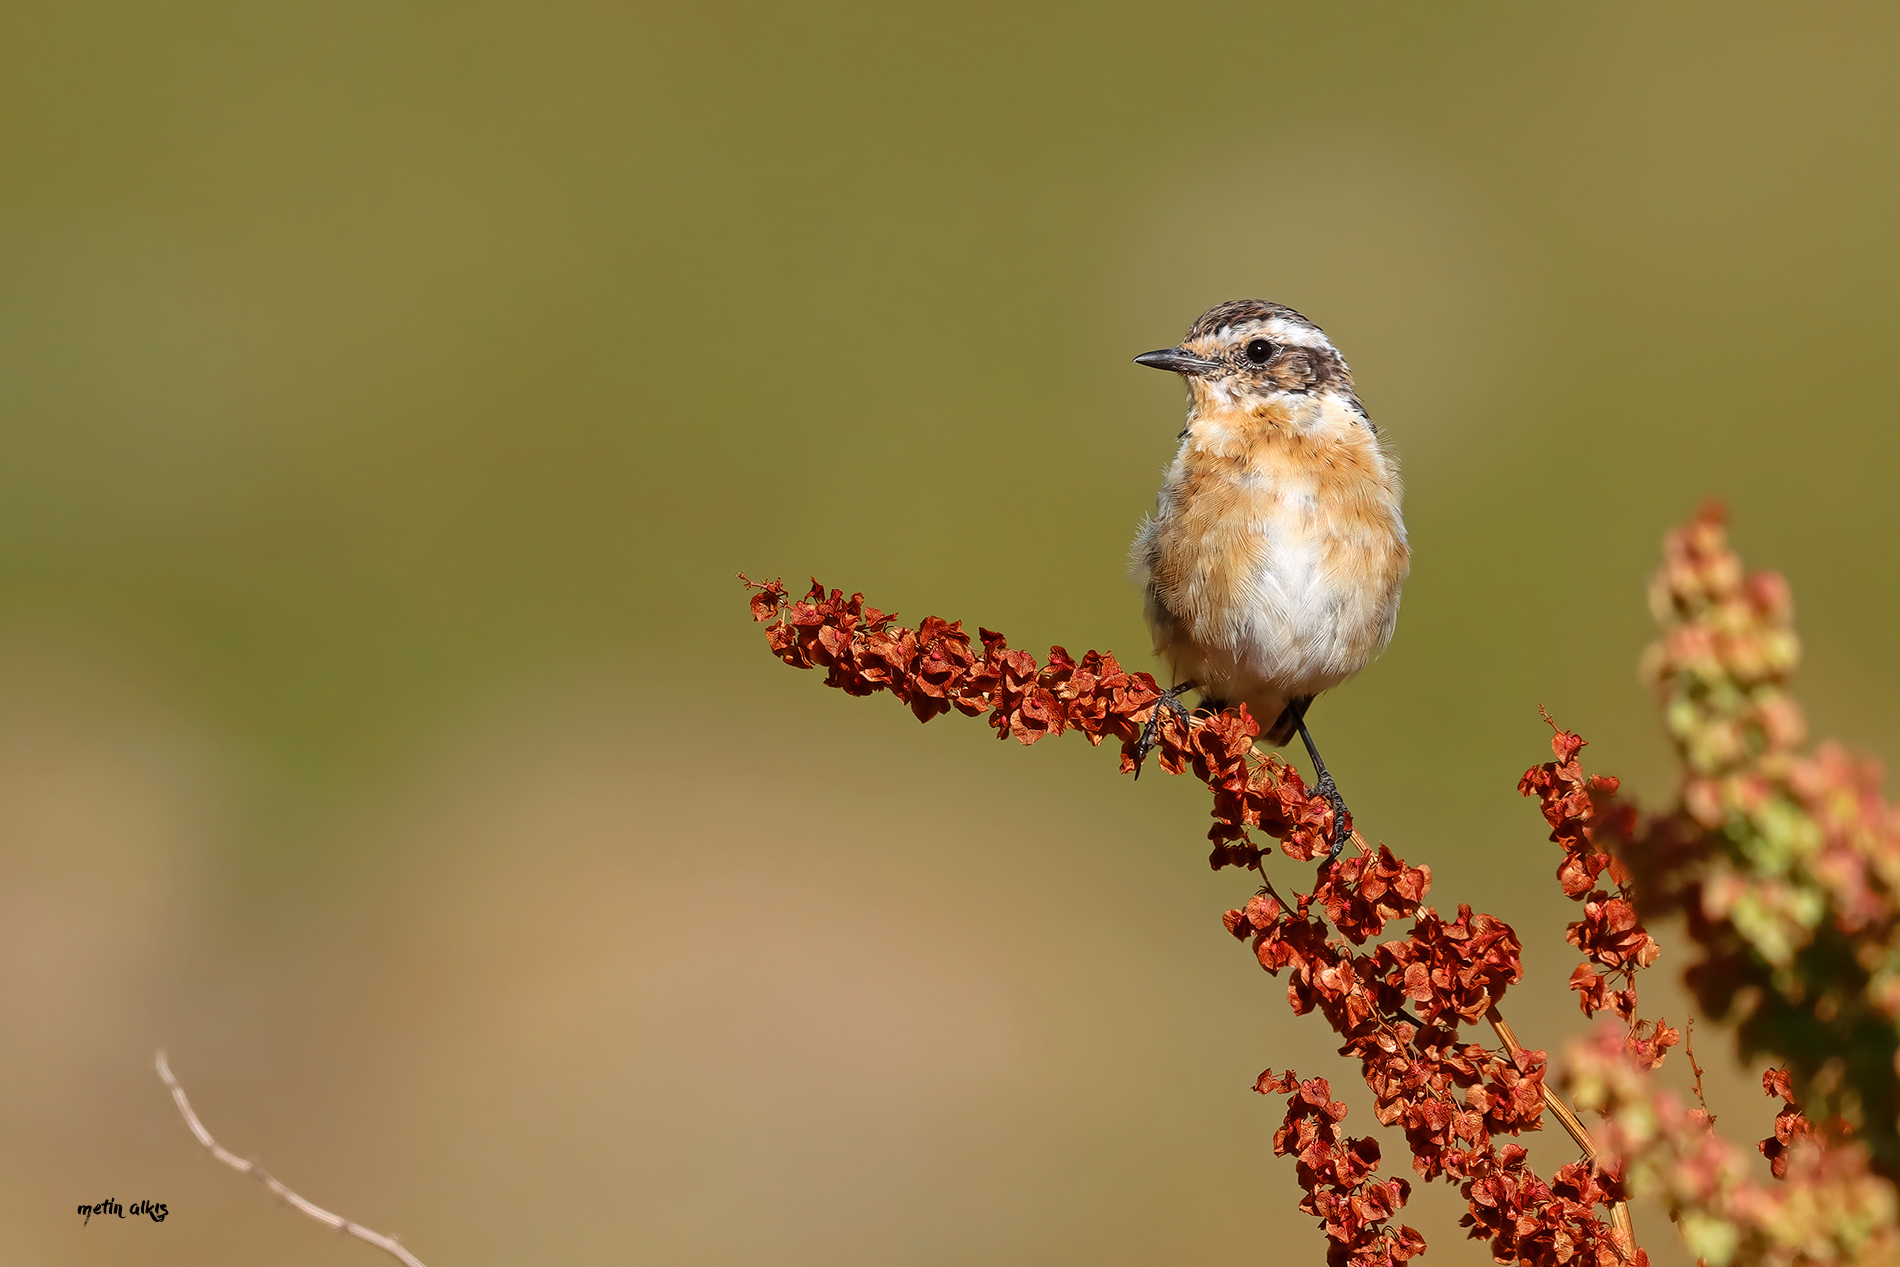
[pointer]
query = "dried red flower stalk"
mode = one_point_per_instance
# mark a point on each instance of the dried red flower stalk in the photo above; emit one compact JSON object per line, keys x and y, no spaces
{"x":1452,"y":1098}
{"x":1791,"y":1124}
{"x":1587,"y":822}
{"x":1337,"y":1175}
{"x":1786,"y":863}
{"x":1397,"y":1009}
{"x":936,"y":667}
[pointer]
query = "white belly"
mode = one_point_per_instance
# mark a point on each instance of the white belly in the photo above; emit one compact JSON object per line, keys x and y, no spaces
{"x":1299,"y":630}
{"x":1302,"y":626}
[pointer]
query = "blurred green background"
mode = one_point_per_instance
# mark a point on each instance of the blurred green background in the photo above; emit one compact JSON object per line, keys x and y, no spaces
{"x":390,"y":391}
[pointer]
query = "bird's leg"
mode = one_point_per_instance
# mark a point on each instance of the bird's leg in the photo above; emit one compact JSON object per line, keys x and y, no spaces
{"x":1171,"y":702}
{"x":1324,"y":785}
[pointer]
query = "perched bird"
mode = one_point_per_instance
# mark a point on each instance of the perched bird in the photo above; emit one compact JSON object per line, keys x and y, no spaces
{"x":1274,"y":557}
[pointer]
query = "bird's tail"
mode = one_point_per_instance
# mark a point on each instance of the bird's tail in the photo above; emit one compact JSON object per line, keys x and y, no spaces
{"x":1288,"y":723}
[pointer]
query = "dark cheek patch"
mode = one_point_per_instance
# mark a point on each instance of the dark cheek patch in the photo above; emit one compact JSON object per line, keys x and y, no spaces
{"x":1295,"y":371}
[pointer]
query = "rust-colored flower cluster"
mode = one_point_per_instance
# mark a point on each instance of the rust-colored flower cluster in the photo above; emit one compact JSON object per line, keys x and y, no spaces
{"x":1791,"y":1124}
{"x":1586,"y":822}
{"x":1785,"y":862}
{"x":1398,"y":1010}
{"x":1397,"y":1007}
{"x":937,"y":667}
{"x":1338,"y":1175}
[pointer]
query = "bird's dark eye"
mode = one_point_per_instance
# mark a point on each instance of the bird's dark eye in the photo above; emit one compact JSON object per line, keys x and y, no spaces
{"x":1259,"y":351}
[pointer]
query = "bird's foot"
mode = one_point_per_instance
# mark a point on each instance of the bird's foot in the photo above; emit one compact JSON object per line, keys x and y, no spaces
{"x":1342,"y":818}
{"x":1170,"y":702}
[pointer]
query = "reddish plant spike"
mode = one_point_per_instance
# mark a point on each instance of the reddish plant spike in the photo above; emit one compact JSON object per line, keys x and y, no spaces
{"x":1791,"y":1124}
{"x":1397,"y":1009}
{"x":1416,"y":1074}
{"x":1588,"y":823}
{"x":937,"y":667}
{"x":1339,"y":1176}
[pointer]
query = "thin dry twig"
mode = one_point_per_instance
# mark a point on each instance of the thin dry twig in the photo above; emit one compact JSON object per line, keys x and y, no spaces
{"x":387,"y":1244}
{"x":1620,"y":1212}
{"x":1688,"y":1049}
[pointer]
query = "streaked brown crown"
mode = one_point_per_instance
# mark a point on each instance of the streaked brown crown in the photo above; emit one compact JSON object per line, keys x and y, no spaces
{"x":1240,"y":311}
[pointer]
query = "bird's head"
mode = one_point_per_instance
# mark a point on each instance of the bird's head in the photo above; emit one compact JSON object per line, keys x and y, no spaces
{"x":1256,"y":357}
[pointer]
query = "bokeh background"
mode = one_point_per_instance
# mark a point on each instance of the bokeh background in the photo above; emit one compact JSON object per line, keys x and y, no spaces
{"x":389,"y":393}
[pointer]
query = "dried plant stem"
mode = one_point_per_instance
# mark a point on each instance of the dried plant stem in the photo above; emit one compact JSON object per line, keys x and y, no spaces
{"x":387,"y":1244}
{"x":1688,"y":1049}
{"x":1620,"y":1212}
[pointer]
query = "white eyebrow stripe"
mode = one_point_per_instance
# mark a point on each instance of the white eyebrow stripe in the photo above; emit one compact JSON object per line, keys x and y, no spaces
{"x":1294,"y":335}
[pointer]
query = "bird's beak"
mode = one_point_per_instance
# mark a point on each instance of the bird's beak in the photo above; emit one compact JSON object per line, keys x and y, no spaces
{"x":1178,"y":360}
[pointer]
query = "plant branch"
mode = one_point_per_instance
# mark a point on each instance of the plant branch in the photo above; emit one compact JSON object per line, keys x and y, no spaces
{"x":387,"y":1244}
{"x":1620,"y":1212}
{"x":1455,"y":969}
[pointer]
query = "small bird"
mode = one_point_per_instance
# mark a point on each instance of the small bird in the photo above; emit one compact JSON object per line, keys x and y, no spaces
{"x":1274,"y":558}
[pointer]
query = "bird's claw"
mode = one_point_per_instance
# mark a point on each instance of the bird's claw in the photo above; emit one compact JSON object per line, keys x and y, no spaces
{"x":1170,"y":701}
{"x":1342,"y":818}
